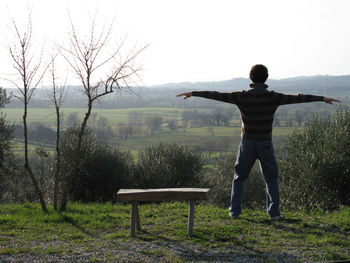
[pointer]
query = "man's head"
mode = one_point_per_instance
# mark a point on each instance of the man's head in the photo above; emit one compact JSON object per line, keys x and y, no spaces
{"x":259,"y":73}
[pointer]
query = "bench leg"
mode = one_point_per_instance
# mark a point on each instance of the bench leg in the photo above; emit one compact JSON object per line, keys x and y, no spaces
{"x":135,"y":219}
{"x":191,"y":218}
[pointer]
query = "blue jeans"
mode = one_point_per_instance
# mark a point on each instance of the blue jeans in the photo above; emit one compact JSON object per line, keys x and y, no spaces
{"x":248,"y":152}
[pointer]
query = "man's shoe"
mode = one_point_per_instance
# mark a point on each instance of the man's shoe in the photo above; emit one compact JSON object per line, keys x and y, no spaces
{"x":277,"y":218}
{"x":233,"y":216}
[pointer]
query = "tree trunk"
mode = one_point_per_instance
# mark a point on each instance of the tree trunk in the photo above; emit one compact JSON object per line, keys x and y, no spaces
{"x":26,"y":160}
{"x":58,"y":160}
{"x":83,"y":125}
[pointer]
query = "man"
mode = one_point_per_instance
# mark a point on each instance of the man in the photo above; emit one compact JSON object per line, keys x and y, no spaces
{"x":257,"y":107}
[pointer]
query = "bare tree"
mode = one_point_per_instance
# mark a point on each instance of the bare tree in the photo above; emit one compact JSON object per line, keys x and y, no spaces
{"x":28,"y":71}
{"x":57,"y":96}
{"x":100,"y":67}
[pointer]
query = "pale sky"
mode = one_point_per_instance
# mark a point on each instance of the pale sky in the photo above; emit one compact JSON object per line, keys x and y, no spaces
{"x":208,"y":40}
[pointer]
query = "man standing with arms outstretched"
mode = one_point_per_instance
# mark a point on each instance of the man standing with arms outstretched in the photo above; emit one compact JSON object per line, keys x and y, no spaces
{"x":257,"y":107}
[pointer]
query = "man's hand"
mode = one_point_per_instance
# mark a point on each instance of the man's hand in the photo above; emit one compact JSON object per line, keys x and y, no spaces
{"x":186,"y":95}
{"x":330,"y":100}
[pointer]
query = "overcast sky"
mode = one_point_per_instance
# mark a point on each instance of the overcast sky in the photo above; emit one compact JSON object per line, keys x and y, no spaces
{"x":209,"y":40}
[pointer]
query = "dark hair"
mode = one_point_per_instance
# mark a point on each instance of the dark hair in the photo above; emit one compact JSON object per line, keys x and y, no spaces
{"x":259,"y":73}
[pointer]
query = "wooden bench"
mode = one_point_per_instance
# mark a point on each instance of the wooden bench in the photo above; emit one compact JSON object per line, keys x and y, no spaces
{"x":134,"y":196}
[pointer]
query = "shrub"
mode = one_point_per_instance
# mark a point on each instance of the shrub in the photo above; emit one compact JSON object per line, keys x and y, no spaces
{"x":6,"y":129}
{"x":11,"y":171}
{"x":168,"y":165}
{"x":15,"y":185}
{"x":219,"y":180}
{"x":70,"y":157}
{"x":102,"y":170}
{"x":108,"y":170}
{"x":315,"y":168}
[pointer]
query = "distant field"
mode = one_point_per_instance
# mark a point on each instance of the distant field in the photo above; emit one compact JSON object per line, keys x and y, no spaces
{"x":47,"y":116}
{"x":225,"y":139}
{"x":18,"y":147}
{"x":215,"y":139}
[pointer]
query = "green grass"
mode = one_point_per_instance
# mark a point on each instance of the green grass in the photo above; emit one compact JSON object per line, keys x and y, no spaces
{"x":312,"y":236}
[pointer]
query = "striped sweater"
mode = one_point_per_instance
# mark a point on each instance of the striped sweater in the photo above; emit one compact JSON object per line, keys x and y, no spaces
{"x":257,"y":107}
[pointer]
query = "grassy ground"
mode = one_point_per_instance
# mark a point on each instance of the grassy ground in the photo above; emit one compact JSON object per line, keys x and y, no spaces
{"x":89,"y":229}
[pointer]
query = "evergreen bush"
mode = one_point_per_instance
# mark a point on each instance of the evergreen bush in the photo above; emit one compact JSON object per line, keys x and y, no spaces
{"x":108,"y":170}
{"x":315,"y":166}
{"x":168,"y":165}
{"x":102,"y":170}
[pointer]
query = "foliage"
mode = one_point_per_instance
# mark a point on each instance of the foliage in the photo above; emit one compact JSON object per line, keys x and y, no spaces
{"x":107,"y":171}
{"x":8,"y":164}
{"x":72,"y":156}
{"x":6,"y":135}
{"x":72,"y":119}
{"x":315,"y":168}
{"x":42,"y":166}
{"x":102,"y":170}
{"x":154,"y":123}
{"x":6,"y":130}
{"x":37,"y":132}
{"x":219,"y":180}
{"x":15,"y":186}
{"x":172,"y":124}
{"x":169,"y":165}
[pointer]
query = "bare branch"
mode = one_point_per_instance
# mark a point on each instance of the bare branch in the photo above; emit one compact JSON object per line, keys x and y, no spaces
{"x":58,"y":92}
{"x":87,"y":57}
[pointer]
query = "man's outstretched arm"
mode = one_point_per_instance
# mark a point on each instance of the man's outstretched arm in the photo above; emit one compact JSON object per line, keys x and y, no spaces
{"x":330,"y":100}
{"x":213,"y":95}
{"x":186,"y":95}
{"x":283,"y":99}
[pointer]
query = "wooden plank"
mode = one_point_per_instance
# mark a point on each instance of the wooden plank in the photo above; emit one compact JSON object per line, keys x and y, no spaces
{"x":162,"y":194}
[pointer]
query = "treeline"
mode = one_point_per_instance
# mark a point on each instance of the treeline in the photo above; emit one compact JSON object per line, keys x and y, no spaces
{"x":218,"y":117}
